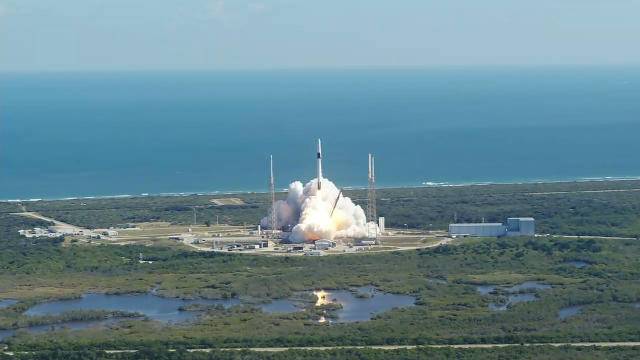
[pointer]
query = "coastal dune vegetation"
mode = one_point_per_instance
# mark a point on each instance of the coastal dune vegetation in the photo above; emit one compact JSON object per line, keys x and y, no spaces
{"x":596,"y":208}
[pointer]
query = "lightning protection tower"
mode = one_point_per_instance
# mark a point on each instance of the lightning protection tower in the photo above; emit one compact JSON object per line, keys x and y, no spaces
{"x":272,"y":191}
{"x":372,"y":213}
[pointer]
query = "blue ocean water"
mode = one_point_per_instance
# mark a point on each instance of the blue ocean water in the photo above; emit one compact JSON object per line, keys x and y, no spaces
{"x":97,"y":134}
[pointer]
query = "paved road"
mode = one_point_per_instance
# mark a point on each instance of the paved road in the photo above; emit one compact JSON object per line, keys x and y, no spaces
{"x":438,"y":243}
{"x":35,"y":215}
{"x":454,"y":346}
{"x":393,"y":347}
{"x":588,"y":237}
{"x":397,"y":347}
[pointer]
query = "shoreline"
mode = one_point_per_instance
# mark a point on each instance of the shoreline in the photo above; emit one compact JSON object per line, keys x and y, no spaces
{"x":425,"y":184}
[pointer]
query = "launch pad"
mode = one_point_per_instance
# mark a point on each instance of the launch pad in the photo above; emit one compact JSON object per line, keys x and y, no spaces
{"x":319,"y":210}
{"x":314,"y":219}
{"x":396,"y":240}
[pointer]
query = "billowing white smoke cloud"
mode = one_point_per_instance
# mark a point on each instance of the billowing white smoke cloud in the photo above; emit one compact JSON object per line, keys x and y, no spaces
{"x":308,"y":211}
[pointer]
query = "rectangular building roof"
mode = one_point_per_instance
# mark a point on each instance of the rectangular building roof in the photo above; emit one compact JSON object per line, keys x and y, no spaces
{"x":478,"y":224}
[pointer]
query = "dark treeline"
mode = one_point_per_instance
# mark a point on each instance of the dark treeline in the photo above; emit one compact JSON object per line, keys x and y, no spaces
{"x":513,"y":352}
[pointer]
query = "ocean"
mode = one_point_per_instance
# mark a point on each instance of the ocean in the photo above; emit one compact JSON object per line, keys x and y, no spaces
{"x":103,"y":134}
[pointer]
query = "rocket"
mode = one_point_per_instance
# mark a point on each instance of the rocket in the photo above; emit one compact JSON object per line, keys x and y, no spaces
{"x":372,"y":168}
{"x":319,"y":164}
{"x":271,"y":180}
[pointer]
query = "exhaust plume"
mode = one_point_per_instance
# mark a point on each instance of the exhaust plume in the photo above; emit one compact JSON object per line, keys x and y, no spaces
{"x":307,"y":210}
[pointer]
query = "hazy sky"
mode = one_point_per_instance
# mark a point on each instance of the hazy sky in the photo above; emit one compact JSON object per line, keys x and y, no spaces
{"x":37,"y":35}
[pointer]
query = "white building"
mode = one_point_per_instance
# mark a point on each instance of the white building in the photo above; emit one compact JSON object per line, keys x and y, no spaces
{"x":381,"y":225}
{"x":65,"y":230}
{"x":324,"y":244}
{"x":515,"y":227}
{"x":478,"y":229}
{"x":109,"y":232}
{"x":524,"y":226}
{"x":39,"y":232}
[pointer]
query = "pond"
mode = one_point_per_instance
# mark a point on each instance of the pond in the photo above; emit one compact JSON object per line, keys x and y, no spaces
{"x":527,"y":286}
{"x":362,"y":303}
{"x":158,"y":308}
{"x":569,"y":311}
{"x":6,"y":334}
{"x":167,"y":310}
{"x":485,"y":289}
{"x":524,"y":292}
{"x":282,"y":306}
{"x":7,"y":302}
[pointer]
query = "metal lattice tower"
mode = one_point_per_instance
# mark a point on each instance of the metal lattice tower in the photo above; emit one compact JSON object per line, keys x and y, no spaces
{"x":272,"y":191}
{"x":373,"y":189}
{"x":372,"y":213}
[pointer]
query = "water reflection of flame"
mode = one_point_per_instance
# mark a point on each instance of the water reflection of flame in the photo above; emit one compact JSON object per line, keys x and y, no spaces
{"x":322,"y":297}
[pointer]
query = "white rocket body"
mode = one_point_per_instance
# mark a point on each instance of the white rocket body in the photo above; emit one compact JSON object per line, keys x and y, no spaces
{"x":271,"y":180}
{"x":370,"y":167}
{"x":373,"y":168}
{"x":319,"y":164}
{"x":312,"y":214}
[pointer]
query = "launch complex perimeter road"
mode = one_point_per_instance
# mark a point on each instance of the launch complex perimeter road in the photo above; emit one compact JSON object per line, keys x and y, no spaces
{"x":35,"y":215}
{"x":378,"y":347}
{"x":391,"y":247}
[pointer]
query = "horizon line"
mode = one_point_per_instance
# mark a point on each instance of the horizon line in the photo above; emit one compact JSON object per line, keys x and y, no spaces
{"x":321,"y":68}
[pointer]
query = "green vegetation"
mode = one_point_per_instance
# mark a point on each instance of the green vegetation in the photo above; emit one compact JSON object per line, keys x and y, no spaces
{"x":512,"y":352}
{"x":599,"y":208}
{"x":450,"y":311}
{"x":12,"y":319}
